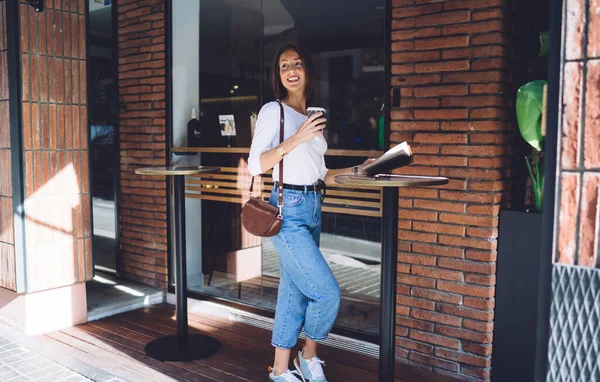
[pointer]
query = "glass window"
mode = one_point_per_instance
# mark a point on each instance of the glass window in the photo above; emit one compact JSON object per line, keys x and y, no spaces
{"x":233,"y":45}
{"x":103,"y":132}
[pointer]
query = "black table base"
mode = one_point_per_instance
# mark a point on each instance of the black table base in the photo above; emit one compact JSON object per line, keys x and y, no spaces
{"x":389,"y":258}
{"x":389,"y":244}
{"x":181,"y":346}
{"x":174,"y":348}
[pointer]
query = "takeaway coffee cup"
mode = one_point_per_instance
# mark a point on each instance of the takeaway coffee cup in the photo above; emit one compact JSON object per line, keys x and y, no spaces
{"x":314,"y":110}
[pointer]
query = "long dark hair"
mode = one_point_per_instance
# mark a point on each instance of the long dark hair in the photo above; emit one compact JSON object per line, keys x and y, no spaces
{"x":278,"y":88}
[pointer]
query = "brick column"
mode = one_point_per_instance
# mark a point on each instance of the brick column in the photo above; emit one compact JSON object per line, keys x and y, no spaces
{"x":7,"y":239}
{"x":142,"y":85}
{"x":57,"y":259}
{"x":450,"y":60}
{"x":579,"y":161}
{"x":55,"y":144}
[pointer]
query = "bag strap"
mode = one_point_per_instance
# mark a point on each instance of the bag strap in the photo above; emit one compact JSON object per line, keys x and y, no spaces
{"x":280,"y":183}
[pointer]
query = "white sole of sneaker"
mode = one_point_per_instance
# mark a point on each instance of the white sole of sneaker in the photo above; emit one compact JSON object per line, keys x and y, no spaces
{"x":299,"y":371}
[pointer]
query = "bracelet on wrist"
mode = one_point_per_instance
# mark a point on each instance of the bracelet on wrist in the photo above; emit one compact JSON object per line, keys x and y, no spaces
{"x":355,"y":170}
{"x":281,"y":151}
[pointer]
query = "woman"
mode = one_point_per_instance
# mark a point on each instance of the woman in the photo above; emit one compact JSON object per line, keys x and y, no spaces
{"x":309,"y":295}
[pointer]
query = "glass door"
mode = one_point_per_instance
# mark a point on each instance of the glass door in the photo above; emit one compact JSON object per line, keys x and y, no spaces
{"x":236,"y":44}
{"x":103,"y":130}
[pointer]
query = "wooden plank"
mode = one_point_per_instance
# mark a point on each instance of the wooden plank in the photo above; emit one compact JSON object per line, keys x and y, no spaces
{"x":88,"y":334}
{"x":235,"y":170}
{"x":355,"y":153}
{"x":354,"y":194}
{"x":222,"y":150}
{"x":234,"y":359}
{"x":336,"y":371}
{"x":351,"y":203}
{"x":119,"y":366}
{"x":330,"y":200}
{"x":348,"y":211}
{"x":117,"y":343}
{"x":333,"y":355}
{"x":201,"y":367}
{"x":218,"y":176}
{"x":247,"y":353}
{"x":236,"y":335}
{"x":229,"y":99}
{"x":259,"y":337}
{"x":325,"y":208}
{"x":268,"y":183}
{"x":356,"y":187}
{"x":177,"y":369}
{"x":215,"y":198}
{"x":215,"y":183}
{"x":246,"y":150}
{"x":375,"y":192}
{"x":218,"y":191}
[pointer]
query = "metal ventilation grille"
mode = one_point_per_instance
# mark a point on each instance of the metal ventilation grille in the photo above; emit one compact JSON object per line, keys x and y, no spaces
{"x":336,"y":341}
{"x":574,"y":349}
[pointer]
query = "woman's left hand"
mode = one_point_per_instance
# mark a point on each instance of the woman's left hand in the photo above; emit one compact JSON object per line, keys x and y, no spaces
{"x":367,"y":162}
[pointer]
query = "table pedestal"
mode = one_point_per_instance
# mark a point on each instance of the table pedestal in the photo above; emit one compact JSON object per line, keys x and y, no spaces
{"x":389,"y":258}
{"x":387,"y":320}
{"x":181,"y":346}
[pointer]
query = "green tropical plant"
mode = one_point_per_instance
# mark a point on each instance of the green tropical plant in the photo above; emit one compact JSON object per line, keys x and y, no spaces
{"x":529,"y":118}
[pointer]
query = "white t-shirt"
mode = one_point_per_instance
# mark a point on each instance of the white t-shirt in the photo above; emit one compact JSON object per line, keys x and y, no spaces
{"x":305,"y":164}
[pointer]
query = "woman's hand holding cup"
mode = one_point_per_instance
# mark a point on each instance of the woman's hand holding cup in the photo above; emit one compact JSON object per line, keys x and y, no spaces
{"x":310,"y":111}
{"x":312,"y":127}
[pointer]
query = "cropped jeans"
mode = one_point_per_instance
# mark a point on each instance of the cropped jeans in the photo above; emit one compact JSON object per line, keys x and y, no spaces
{"x":309,"y":294}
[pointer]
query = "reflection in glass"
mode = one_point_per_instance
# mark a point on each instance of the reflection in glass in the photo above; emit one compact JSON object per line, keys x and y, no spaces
{"x":103,"y":116}
{"x":237,"y":40}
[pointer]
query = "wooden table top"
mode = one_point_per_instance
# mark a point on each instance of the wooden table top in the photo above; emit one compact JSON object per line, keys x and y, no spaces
{"x":391,"y":180}
{"x":176,"y":170}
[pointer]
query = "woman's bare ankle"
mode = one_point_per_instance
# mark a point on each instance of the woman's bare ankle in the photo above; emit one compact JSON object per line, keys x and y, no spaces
{"x":282,"y":360}
{"x":306,"y":354}
{"x":310,"y":348}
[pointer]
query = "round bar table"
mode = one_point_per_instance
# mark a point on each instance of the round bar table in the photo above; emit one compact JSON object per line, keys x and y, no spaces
{"x":389,"y":248}
{"x":181,"y":346}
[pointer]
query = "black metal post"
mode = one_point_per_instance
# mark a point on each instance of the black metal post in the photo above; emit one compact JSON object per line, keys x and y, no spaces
{"x":180,"y":261}
{"x":389,"y":258}
{"x":555,"y":62}
{"x":389,"y":233}
{"x":181,"y":346}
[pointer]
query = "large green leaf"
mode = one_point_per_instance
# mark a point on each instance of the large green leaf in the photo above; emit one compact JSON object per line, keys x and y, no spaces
{"x":529,"y":112}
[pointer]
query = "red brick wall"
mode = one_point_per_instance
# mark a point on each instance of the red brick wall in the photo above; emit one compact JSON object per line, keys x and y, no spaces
{"x":450,"y":60}
{"x":55,"y":143}
{"x":142,"y":85}
{"x":579,"y":163}
{"x":7,"y":248}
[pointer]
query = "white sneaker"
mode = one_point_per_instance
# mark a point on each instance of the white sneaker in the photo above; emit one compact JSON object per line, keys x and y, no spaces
{"x":311,"y":370}
{"x":288,"y":376}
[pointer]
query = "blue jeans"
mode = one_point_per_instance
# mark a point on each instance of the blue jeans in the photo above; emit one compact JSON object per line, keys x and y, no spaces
{"x":309,"y":294}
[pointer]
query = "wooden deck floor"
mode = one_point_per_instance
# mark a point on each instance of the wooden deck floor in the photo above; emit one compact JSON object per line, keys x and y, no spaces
{"x":116,"y":345}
